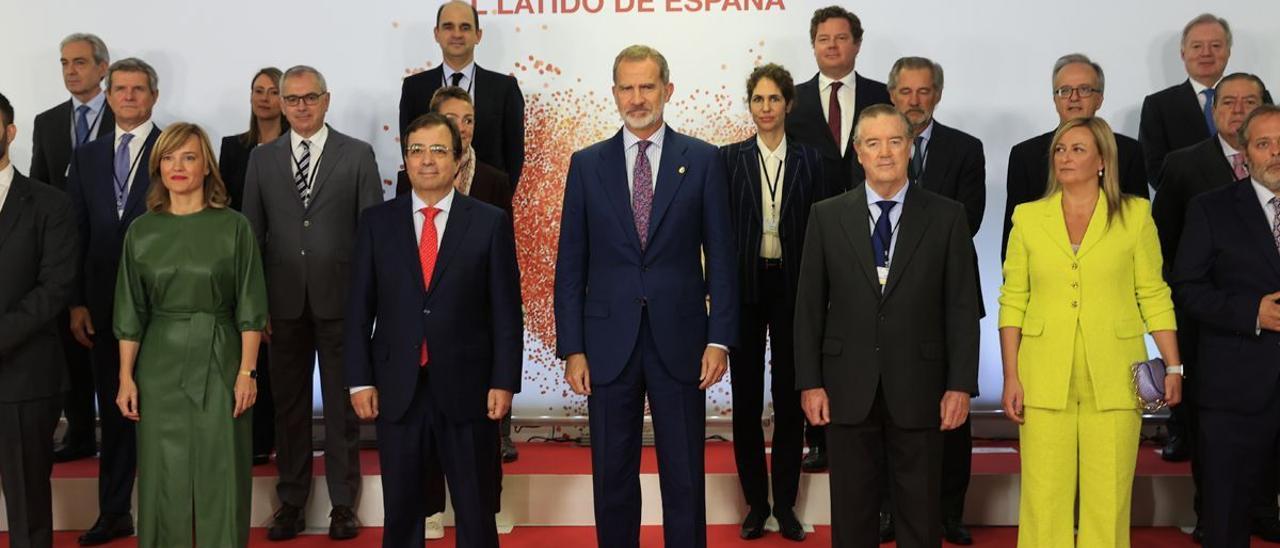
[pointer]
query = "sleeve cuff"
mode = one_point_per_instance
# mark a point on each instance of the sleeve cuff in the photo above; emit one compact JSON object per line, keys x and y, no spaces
{"x":355,"y":389}
{"x":717,"y":345}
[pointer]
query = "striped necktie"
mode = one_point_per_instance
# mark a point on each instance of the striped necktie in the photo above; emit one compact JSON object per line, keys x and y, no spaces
{"x":301,"y":177}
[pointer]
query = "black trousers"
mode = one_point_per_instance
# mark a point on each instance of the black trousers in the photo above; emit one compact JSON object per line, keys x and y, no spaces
{"x":413,"y":451}
{"x":119,"y":456}
{"x":294,"y":346}
{"x":78,"y":403}
{"x":26,"y":460}
{"x":913,"y":462}
{"x":264,"y":409}
{"x":1236,"y":454}
{"x":772,"y":314}
{"x":957,"y":462}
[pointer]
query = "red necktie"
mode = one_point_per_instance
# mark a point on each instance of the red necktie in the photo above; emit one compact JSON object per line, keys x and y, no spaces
{"x":833,"y":113}
{"x":427,"y":248}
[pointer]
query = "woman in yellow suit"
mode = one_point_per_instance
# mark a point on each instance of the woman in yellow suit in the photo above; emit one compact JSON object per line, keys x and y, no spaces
{"x":1082,"y":284}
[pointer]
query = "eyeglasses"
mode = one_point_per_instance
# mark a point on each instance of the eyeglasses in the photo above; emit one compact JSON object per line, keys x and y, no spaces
{"x":438,"y":152}
{"x":1083,"y":92}
{"x":311,"y":99}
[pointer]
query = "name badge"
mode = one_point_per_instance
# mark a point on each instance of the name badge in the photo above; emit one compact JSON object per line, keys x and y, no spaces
{"x":771,"y":226}
{"x":882,"y":272}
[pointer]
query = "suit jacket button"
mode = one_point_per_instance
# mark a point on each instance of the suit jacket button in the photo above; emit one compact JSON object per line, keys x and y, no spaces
{"x":426,"y":311}
{"x":303,"y":253}
{"x":1075,"y":304}
{"x":1075,"y":266}
{"x":306,"y":223}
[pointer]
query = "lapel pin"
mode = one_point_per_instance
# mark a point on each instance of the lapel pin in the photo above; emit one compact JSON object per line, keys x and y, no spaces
{"x":681,"y":170}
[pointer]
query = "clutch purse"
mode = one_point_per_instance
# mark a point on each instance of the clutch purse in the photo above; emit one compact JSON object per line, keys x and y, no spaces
{"x":1148,"y":383}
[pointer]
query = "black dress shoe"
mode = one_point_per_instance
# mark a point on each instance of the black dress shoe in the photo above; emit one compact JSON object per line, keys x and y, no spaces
{"x":753,"y":524}
{"x":886,"y":527}
{"x":1267,"y":529}
{"x":259,"y":460}
{"x":1197,"y":534}
{"x":286,"y":523}
{"x":108,"y":528}
{"x":69,"y":453}
{"x":343,"y":524}
{"x":509,"y":451}
{"x":1176,"y":449}
{"x":956,"y":533}
{"x":789,"y":525}
{"x":815,"y":461}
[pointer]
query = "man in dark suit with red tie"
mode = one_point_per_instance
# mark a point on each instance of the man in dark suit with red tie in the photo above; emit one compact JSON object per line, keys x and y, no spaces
{"x":836,"y":36}
{"x":442,"y":366}
{"x":1227,"y":278}
{"x":56,"y":133}
{"x":499,"y":130}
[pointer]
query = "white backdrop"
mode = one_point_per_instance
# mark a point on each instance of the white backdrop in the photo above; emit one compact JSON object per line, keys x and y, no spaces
{"x":997,"y":54}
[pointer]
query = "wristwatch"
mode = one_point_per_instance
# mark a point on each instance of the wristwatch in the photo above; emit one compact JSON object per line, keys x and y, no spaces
{"x":253,"y":373}
{"x":1175,"y":370}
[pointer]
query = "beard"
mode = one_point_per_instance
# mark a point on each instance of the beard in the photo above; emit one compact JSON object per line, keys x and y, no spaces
{"x":640,"y":121}
{"x":1268,"y":177}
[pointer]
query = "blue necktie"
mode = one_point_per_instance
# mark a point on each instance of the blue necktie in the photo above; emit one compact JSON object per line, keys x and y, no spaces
{"x":82,"y":126}
{"x":1208,"y":111}
{"x":883,"y":234}
{"x":122,"y":166}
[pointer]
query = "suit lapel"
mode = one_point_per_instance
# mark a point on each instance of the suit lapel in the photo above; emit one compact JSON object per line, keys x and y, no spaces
{"x":1190,"y":102}
{"x":911,"y":228}
{"x":613,"y":177}
{"x":282,"y":149}
{"x":820,"y":117}
{"x":13,"y":205}
{"x":935,"y":166}
{"x":1056,"y":224}
{"x":1097,"y":226}
{"x":142,"y":177}
{"x":855,"y":228}
{"x":671,"y":169}
{"x":791,"y":177}
{"x":749,"y":162}
{"x":405,"y":238}
{"x":330,"y":158}
{"x":1256,"y":223}
{"x":455,"y":229}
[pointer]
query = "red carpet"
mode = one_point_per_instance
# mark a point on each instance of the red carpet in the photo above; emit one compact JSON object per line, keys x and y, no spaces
{"x":566,"y":458}
{"x":717,"y":536}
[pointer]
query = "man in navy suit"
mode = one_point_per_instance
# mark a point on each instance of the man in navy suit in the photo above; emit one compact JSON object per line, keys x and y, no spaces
{"x":1227,"y":278}
{"x":436,"y":270}
{"x":641,"y":210}
{"x":108,"y":185}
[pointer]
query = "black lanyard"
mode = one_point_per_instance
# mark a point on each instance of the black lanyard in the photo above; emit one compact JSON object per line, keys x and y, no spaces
{"x":893,"y":229}
{"x":88,"y":135}
{"x":771,"y":183}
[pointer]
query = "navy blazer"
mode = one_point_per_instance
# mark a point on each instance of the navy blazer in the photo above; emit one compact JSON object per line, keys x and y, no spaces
{"x":604,"y":281}
{"x":91,"y":186}
{"x":1226,"y":262}
{"x":470,"y":315}
{"x":807,"y":123}
{"x":803,"y":185}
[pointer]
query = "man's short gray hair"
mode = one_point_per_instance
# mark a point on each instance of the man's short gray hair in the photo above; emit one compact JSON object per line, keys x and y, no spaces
{"x":299,"y":70}
{"x":880,"y":111}
{"x":1263,"y":110}
{"x":1073,"y":58}
{"x":641,"y":52}
{"x":915,"y":63}
{"x":133,"y":64}
{"x":100,"y":54}
{"x":1202,"y":19}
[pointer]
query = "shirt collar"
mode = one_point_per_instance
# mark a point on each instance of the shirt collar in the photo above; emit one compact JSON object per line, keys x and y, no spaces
{"x":848,"y":80}
{"x":317,"y":140}
{"x":444,"y":205}
{"x":779,"y":153}
{"x":1198,"y":87}
{"x":1226,"y":147}
{"x":466,"y":71}
{"x":143,"y":130}
{"x":629,"y":139}
{"x":927,"y":133}
{"x":899,"y":198}
{"x":6,"y":178}
{"x":1264,"y":194}
{"x":94,"y":104}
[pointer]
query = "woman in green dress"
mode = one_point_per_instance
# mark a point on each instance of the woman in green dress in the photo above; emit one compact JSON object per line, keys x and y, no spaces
{"x":190,"y":307}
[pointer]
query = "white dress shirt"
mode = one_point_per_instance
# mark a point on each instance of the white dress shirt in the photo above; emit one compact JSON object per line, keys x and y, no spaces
{"x":848,"y":102}
{"x":317,"y":149}
{"x":94,"y":116}
{"x":6,"y":182}
{"x":419,"y":219}
{"x":1199,"y":89}
{"x":773,"y":169}
{"x":140,"y":134}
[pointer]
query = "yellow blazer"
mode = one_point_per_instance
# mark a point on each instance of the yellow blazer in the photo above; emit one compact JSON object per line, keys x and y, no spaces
{"x":1112,"y":288}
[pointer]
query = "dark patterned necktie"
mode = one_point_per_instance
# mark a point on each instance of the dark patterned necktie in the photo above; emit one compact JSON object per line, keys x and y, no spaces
{"x":1275,"y":221}
{"x":834,"y":118}
{"x":642,"y":192}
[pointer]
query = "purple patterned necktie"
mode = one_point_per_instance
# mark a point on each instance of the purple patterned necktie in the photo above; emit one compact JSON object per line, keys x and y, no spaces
{"x":1275,"y":221}
{"x":122,"y":166}
{"x":642,"y":192}
{"x":1238,"y":166}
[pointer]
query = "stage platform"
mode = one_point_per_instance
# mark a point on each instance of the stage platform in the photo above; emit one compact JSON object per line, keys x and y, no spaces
{"x":550,"y":487}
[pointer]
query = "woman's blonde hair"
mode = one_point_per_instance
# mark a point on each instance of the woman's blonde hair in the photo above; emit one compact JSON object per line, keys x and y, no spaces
{"x":1109,"y":179}
{"x":173,"y":137}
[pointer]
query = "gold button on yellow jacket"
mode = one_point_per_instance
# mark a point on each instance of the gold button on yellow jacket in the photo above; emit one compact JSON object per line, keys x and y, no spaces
{"x":1112,"y":289}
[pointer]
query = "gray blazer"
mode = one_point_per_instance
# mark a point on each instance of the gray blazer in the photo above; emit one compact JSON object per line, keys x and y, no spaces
{"x":307,"y":251}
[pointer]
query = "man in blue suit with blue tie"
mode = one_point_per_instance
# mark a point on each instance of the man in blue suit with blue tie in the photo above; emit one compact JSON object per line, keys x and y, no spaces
{"x":108,"y":182}
{"x":645,"y":239}
{"x":436,"y":271}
